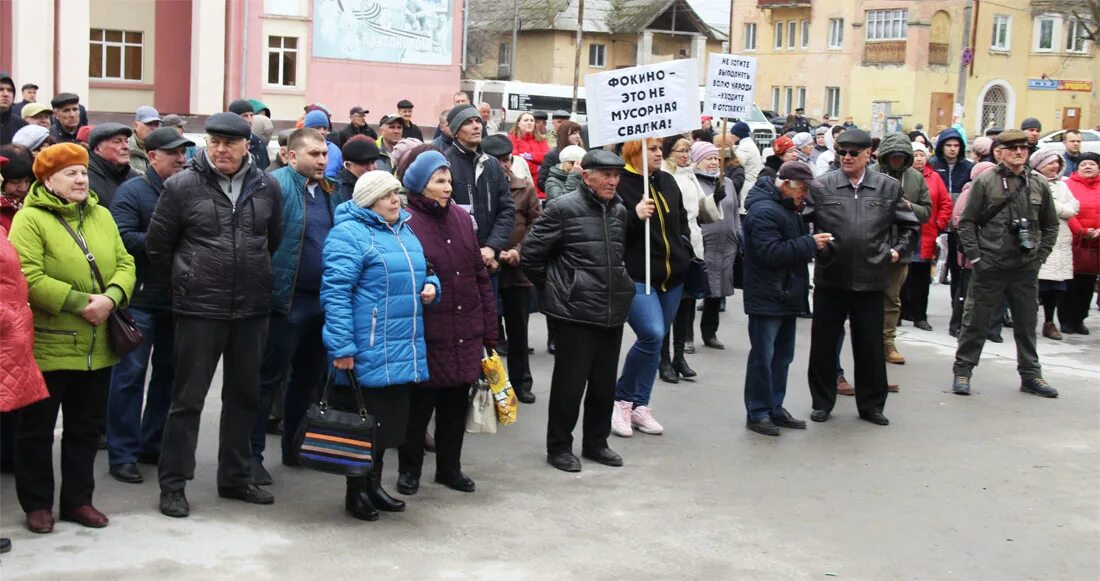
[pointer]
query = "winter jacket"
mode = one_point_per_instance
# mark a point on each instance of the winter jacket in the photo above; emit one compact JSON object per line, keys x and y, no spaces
{"x":105,"y":177}
{"x":699,"y":205}
{"x":1086,"y":252}
{"x":531,"y":149}
{"x":59,"y":277}
{"x":721,"y":239}
{"x":954,"y":177}
{"x":1070,"y":162}
{"x":993,"y":239}
{"x":218,"y":254}
{"x":560,"y":182}
{"x":866,"y":224}
{"x":335,"y":161}
{"x":139,"y":159}
{"x":478,"y":180}
{"x":749,"y":155}
{"x":941,"y":213}
{"x":21,"y":382}
{"x":528,"y":211}
{"x":574,"y":256}
{"x":913,"y":187}
{"x":132,"y":210}
{"x":771,"y":168}
{"x":8,"y":208}
{"x":1059,"y":265}
{"x":258,"y":149}
{"x":370,"y":294}
{"x":550,"y":160}
{"x":350,"y":131}
{"x":10,"y":124}
{"x":466,"y":317}
{"x":287,"y":256}
{"x":442,"y":142}
{"x":670,"y":247}
{"x":345,"y":185}
{"x":778,"y":248}
{"x":825,"y":163}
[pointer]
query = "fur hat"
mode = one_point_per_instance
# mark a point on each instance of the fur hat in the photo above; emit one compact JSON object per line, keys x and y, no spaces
{"x":58,"y":157}
{"x":373,"y":186}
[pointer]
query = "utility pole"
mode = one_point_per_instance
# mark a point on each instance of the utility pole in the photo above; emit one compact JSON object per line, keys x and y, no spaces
{"x":960,"y":90}
{"x":729,"y":35}
{"x":577,"y":57}
{"x":515,"y":37}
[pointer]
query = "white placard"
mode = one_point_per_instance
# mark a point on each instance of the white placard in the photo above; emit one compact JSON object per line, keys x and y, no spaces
{"x":731,"y":80}
{"x":647,"y":101}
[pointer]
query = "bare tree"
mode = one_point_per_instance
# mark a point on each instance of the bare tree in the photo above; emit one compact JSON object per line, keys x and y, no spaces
{"x":1085,"y":12}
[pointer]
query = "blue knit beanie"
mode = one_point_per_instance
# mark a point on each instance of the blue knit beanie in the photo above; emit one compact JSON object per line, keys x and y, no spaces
{"x":421,"y":170}
{"x":316,"y":118}
{"x":742,"y":129}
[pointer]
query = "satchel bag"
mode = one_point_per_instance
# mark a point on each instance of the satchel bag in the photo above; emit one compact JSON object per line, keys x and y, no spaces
{"x":123,"y":333}
{"x":335,"y":441}
{"x":482,"y":416}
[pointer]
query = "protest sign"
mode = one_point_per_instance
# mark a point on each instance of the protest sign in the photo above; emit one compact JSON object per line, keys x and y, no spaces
{"x":647,"y":101}
{"x":731,"y":80}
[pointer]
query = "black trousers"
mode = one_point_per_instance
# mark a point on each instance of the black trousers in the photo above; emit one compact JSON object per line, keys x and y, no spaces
{"x":82,"y":396}
{"x":681,"y":329}
{"x":709,"y":323}
{"x":914,"y":295}
{"x":449,"y":405}
{"x":200,"y":343}
{"x":863,"y":310}
{"x":587,"y":356}
{"x":517,"y":308}
{"x":1077,"y":300}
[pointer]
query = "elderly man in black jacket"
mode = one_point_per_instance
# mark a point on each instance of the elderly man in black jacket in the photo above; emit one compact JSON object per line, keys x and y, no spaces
{"x":574,"y":257}
{"x":872,"y":228}
{"x":109,"y":162}
{"x":214,"y":230}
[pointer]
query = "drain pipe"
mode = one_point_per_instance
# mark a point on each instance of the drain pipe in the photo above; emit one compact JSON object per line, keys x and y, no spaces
{"x":244,"y":50}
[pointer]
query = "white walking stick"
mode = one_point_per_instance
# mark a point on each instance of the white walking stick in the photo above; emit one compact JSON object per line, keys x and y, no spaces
{"x":645,"y":200}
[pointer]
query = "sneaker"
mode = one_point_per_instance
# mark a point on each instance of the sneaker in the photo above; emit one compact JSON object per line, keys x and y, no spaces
{"x":961,"y":385}
{"x":620,"y":419}
{"x":642,"y":419}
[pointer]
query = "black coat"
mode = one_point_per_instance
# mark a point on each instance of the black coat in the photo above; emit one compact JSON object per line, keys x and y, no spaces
{"x":350,"y":131}
{"x":670,"y":247}
{"x":574,"y":257}
{"x":10,"y":123}
{"x":105,"y":177}
{"x":345,"y":184}
{"x":551,"y":159}
{"x":218,"y":255}
{"x":478,"y":180}
{"x":777,"y":249}
{"x":132,"y":209}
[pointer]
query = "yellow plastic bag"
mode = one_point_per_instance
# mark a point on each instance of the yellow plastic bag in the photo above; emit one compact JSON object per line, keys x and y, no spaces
{"x":503,"y":394}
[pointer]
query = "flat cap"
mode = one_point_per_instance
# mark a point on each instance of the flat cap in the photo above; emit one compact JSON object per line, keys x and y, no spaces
{"x":601,"y":159}
{"x":799,"y":171}
{"x":173,"y":120}
{"x":855,"y":138}
{"x":106,"y":131}
{"x":497,"y":145}
{"x":63,"y":99}
{"x":360,"y":151}
{"x":166,"y":138}
{"x":404,"y":104}
{"x":357,"y":110}
{"x":229,"y":125}
{"x":241,"y":106}
{"x":1011,"y":137}
{"x":540,"y":115}
{"x":561,"y":114}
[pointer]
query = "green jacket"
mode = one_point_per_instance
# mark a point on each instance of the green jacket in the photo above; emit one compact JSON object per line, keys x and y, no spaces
{"x":913,"y":187}
{"x":994,"y":239}
{"x":60,"y":279}
{"x":561,"y":182}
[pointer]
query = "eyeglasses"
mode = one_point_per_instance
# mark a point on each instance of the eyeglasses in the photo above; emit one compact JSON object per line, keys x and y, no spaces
{"x":848,"y":152}
{"x":1020,"y":147}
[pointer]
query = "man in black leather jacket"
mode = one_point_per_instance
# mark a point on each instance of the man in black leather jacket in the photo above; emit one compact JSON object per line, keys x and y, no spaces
{"x":872,"y":228}
{"x":574,"y":257}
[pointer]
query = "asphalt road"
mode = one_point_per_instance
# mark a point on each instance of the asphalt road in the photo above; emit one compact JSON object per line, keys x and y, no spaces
{"x":998,"y":486}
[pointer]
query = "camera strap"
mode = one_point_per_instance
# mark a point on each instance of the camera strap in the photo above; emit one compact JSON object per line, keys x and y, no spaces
{"x":1009,"y":197}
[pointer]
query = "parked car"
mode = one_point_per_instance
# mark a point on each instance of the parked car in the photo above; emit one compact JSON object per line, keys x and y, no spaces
{"x":1090,"y":141}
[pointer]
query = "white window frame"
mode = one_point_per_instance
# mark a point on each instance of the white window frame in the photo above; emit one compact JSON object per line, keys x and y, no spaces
{"x":832,"y":102}
{"x":836,"y":33}
{"x":802,"y":97}
{"x":775,"y":100}
{"x":892,"y":24}
{"x":283,"y":8}
{"x":282,"y":51}
{"x":1002,"y":33}
{"x":121,"y":46}
{"x":1075,"y":43}
{"x":1038,"y":33}
{"x":788,"y":95}
{"x":749,"y":33}
{"x":805,"y":34}
{"x":779,"y":28}
{"x":597,"y":56}
{"x":792,"y":32}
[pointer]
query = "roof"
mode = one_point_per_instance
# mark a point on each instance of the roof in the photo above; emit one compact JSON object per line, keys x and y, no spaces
{"x":600,"y":16}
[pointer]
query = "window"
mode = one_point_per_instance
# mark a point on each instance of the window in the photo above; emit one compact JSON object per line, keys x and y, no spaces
{"x":887,"y":24}
{"x":597,"y":55}
{"x":832,"y":101}
{"x":115,"y":55}
{"x":505,"y":55}
{"x":283,"y":7}
{"x":789,"y":93}
{"x":836,"y":32}
{"x":750,"y":36}
{"x":1075,"y":42}
{"x":775,"y":100}
{"x":995,"y":107}
{"x":792,"y":31}
{"x":1044,"y":35}
{"x":1001,"y":35}
{"x":778,"y":35}
{"x":802,"y":97}
{"x":805,"y":34}
{"x":282,"y":61}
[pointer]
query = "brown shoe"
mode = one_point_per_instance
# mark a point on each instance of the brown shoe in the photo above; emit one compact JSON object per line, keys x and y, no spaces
{"x":1051,"y":332}
{"x":86,"y":515}
{"x":843,"y":387}
{"x":892,"y":356}
{"x":40,"y":521}
{"x":893,"y":387}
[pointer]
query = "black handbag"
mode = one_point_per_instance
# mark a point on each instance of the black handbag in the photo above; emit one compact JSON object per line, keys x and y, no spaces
{"x":122,"y":331}
{"x":335,"y":441}
{"x":696,"y":285}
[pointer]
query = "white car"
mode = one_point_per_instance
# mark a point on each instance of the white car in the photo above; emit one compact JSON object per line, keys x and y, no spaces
{"x":1090,"y":141}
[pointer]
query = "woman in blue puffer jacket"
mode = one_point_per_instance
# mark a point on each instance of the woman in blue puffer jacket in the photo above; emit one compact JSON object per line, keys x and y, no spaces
{"x":375,"y":284}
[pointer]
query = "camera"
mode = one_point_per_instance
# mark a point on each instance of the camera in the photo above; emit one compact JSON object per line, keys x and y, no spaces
{"x":1023,"y":236}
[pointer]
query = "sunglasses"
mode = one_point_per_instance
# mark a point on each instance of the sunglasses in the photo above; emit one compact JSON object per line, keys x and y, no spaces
{"x":848,"y":152}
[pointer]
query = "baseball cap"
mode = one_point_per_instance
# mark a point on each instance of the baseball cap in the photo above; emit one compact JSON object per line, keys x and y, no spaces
{"x":357,"y":110}
{"x":33,"y":109}
{"x":146,"y":114}
{"x":390,"y":118}
{"x":172,"y":120}
{"x":166,"y":138}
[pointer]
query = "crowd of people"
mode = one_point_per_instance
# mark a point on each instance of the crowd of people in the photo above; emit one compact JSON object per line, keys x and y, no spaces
{"x":386,"y":263}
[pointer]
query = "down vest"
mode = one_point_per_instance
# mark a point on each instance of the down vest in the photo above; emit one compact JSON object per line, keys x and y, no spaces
{"x":370,"y":292}
{"x":21,"y":382}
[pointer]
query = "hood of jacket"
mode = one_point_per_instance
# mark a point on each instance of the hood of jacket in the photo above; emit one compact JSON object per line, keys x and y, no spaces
{"x":892,"y":144}
{"x":945,"y":135}
{"x":1090,"y":183}
{"x":40,"y":197}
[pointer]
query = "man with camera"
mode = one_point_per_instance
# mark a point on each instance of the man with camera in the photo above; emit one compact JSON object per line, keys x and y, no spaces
{"x":1007,"y":230}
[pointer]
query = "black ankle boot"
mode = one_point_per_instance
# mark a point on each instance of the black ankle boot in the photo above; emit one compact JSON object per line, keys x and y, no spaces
{"x":379,"y":497}
{"x":668,"y":372}
{"x":358,"y":502}
{"x":680,"y":364}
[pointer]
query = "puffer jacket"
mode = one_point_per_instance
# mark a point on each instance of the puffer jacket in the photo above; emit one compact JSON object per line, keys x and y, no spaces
{"x":218,"y":255}
{"x":913,"y":187}
{"x":104,"y":178}
{"x":560,"y":182}
{"x":1086,"y":252}
{"x":954,"y":177}
{"x":532,"y":150}
{"x":60,"y":280}
{"x":670,"y":247}
{"x":370,"y":293}
{"x":287,"y":256}
{"x":778,"y":249}
{"x":941,"y":213}
{"x":574,"y":256}
{"x":21,"y":382}
{"x":528,"y":211}
{"x":132,"y":210}
{"x":478,"y":180}
{"x":866,"y":225}
{"x":466,"y":317}
{"x":1059,"y":265}
{"x":993,"y":239}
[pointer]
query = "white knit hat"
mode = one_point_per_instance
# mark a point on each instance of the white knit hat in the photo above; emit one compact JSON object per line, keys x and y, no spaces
{"x":571,"y":153}
{"x":373,"y":186}
{"x":918,"y":146}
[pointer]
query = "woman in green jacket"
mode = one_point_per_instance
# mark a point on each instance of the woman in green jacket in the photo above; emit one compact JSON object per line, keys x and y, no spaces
{"x":70,"y":333}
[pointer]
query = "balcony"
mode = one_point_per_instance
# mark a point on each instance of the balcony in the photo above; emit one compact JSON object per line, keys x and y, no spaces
{"x":889,"y":52}
{"x":769,"y":4}
{"x":937,"y":53}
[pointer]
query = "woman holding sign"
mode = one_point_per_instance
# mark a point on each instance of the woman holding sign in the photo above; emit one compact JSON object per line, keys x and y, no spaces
{"x":670,"y":252}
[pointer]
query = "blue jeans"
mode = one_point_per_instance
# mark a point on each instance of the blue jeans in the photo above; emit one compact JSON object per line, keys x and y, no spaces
{"x":650,"y":318}
{"x":129,"y":433}
{"x":770,"y":355}
{"x":295,"y":354}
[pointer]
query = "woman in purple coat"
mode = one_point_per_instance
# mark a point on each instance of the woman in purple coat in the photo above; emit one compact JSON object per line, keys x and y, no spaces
{"x":455,"y":330}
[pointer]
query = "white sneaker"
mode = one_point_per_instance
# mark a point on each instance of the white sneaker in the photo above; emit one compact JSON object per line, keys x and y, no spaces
{"x":642,"y":419}
{"x":620,"y":419}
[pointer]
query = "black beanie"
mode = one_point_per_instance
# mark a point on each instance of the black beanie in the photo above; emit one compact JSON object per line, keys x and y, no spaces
{"x":240,"y":107}
{"x":19,"y":166}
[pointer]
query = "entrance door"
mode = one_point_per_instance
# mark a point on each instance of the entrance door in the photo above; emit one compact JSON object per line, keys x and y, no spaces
{"x":940,"y":114}
{"x":1071,"y":118}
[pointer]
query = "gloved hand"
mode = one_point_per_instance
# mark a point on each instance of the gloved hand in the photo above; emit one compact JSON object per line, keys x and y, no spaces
{"x":720,"y":190}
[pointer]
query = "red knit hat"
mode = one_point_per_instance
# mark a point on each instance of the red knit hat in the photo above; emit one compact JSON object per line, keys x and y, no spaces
{"x":782,"y":145}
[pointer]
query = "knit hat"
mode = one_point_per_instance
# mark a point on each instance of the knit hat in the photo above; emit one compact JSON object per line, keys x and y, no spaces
{"x":18,"y":166}
{"x":821,"y":130}
{"x":980,"y":168}
{"x":316,"y":119}
{"x":981,"y":146}
{"x":742,"y":129}
{"x":1042,"y":157}
{"x":373,"y":186}
{"x":782,"y":145}
{"x":402,"y":148}
{"x":422,"y":168}
{"x":31,"y":136}
{"x":1088,"y":156}
{"x":241,"y":106}
{"x":918,"y":146}
{"x":459,"y":116}
{"x":58,"y":157}
{"x":572,"y":153}
{"x":803,"y":139}
{"x":84,"y":133}
{"x":1031,"y":123}
{"x":701,"y":150}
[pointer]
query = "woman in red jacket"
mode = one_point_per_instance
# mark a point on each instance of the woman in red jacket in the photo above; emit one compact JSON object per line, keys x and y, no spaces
{"x":529,"y":144}
{"x":914,"y":299}
{"x":1085,"y":185}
